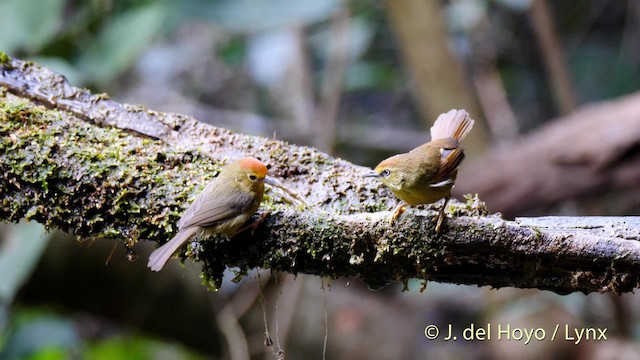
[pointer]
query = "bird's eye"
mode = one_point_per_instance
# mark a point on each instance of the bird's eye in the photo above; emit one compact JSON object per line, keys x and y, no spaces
{"x":385,"y":173}
{"x":253,"y":177}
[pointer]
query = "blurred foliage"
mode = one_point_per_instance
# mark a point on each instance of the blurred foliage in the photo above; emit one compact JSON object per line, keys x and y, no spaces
{"x":248,"y":16}
{"x":618,"y":71}
{"x":600,"y":40}
{"x":233,"y":54}
{"x":21,"y":249}
{"x":96,"y":43}
{"x":35,"y":335}
{"x":39,"y":334}
{"x":90,"y":42}
{"x":118,"y":43}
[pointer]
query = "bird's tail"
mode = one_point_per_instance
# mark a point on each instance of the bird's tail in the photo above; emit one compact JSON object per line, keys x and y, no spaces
{"x":161,"y":255}
{"x":453,"y":124}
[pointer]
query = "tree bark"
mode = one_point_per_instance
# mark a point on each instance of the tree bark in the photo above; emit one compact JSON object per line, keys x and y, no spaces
{"x":96,"y":168}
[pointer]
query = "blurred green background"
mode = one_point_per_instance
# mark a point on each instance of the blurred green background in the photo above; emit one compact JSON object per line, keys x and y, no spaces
{"x":358,"y":79}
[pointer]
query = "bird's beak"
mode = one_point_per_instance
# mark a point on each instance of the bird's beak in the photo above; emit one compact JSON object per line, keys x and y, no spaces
{"x":371,"y":174}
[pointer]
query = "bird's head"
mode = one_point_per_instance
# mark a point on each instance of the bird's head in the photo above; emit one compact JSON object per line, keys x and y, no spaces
{"x":250,"y":173}
{"x":392,"y":173}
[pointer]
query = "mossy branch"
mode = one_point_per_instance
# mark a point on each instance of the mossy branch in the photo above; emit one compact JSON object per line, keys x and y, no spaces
{"x":96,"y":168}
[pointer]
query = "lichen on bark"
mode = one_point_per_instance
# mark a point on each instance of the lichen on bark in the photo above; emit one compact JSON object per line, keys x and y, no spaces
{"x":95,"y":168}
{"x":88,"y":180}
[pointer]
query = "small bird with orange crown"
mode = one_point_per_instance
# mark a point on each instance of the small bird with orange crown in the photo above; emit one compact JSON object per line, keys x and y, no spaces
{"x":227,"y":203}
{"x":427,"y":173}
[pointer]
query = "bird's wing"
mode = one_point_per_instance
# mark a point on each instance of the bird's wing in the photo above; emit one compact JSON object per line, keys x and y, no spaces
{"x":450,"y":158}
{"x":207,"y":210}
{"x":442,"y":183}
{"x":450,"y":161}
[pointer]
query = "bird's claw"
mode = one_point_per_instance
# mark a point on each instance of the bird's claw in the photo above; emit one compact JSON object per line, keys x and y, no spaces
{"x":261,"y":218}
{"x":254,"y":225}
{"x":441,"y":216}
{"x":396,"y":213}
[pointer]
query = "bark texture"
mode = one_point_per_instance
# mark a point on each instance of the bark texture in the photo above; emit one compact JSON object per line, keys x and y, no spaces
{"x":85,"y":164}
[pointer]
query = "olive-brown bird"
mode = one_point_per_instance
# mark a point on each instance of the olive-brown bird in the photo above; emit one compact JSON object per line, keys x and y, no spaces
{"x":227,"y":202}
{"x":427,"y":173}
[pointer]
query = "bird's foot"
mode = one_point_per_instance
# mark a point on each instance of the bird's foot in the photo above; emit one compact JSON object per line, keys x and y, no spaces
{"x":439,"y":220}
{"x":441,"y":216}
{"x":254,"y":225}
{"x":397,"y":212}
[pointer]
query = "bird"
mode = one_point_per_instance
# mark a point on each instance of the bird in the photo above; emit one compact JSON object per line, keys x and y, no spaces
{"x":427,"y":173}
{"x":224,"y":205}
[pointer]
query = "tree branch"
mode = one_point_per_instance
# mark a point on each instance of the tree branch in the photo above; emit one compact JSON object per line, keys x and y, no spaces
{"x":93,"y":167}
{"x":593,"y":153}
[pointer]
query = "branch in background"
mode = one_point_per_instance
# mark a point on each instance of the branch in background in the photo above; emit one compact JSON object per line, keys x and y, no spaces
{"x":493,"y":99}
{"x":301,"y":84}
{"x":327,"y":116}
{"x":590,"y":153}
{"x":90,"y":177}
{"x":557,"y":72}
{"x":492,"y":96}
{"x":437,"y":79}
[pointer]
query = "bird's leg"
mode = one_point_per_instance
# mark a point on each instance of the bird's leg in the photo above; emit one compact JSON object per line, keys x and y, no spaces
{"x":254,"y":225}
{"x":397,"y":212}
{"x":441,"y":216}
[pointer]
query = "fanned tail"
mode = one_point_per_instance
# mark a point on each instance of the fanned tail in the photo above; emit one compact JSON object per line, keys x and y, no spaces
{"x":161,"y":255}
{"x":454,"y":124}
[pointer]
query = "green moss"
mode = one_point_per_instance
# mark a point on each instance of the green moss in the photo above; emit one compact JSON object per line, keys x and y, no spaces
{"x":103,"y":182}
{"x":4,"y":59}
{"x":536,"y":232}
{"x":474,"y":206}
{"x":69,"y":174}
